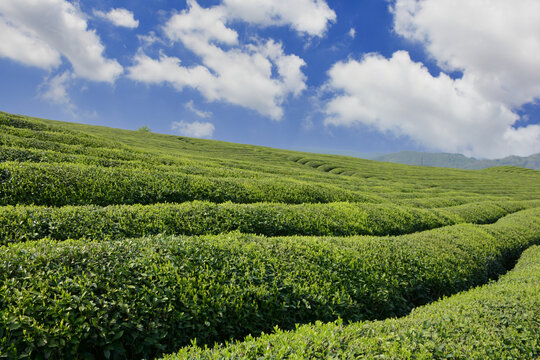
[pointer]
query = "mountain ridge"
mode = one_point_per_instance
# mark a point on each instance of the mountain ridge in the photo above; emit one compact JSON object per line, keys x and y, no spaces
{"x":458,"y":161}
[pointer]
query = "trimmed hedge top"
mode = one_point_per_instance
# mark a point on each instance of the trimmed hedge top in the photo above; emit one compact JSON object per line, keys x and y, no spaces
{"x":23,"y":223}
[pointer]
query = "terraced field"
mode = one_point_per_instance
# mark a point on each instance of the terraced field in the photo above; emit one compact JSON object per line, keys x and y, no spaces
{"x":122,"y":244}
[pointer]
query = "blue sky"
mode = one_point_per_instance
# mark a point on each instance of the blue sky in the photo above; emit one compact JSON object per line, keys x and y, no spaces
{"x":365,"y":76}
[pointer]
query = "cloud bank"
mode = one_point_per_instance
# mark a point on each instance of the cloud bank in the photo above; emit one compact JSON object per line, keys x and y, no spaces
{"x":41,"y":32}
{"x":256,"y":74}
{"x":495,"y":44}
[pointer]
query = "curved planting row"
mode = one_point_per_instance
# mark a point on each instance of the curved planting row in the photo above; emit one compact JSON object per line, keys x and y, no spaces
{"x":496,"y":321}
{"x":140,"y":298}
{"x":54,"y":135}
{"x":75,"y":184}
{"x":83,"y":155}
{"x":143,"y":161}
{"x":23,"y":223}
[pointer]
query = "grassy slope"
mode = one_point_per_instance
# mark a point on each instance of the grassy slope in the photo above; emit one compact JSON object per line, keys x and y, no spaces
{"x":216,"y":159}
{"x":65,"y":180}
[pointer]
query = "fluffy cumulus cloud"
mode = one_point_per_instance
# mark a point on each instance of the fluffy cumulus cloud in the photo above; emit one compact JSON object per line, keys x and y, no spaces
{"x":41,"y":32}
{"x":119,"y":17}
{"x":310,"y":17}
{"x":400,"y":96}
{"x":495,"y":44}
{"x":23,"y":46}
{"x":195,"y":129}
{"x":200,"y":25}
{"x":258,"y":75}
{"x":167,"y":69}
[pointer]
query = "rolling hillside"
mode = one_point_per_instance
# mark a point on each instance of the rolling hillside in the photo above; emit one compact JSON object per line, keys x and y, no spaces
{"x":124,"y":244}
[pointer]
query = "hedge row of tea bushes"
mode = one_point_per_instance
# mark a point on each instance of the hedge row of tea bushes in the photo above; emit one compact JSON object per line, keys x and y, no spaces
{"x":35,"y":140}
{"x":71,"y":184}
{"x":31,"y":149}
{"x":59,"y":136}
{"x":141,"y":298}
{"x":24,"y":139}
{"x":444,"y":200}
{"x":92,"y":156}
{"x":21,"y":141}
{"x":129,"y":160}
{"x":123,"y":159}
{"x":20,"y":149}
{"x":18,"y":126}
{"x":495,"y":321}
{"x":78,"y":184}
{"x":14,"y":154}
{"x":23,"y":223}
{"x":106,"y":157}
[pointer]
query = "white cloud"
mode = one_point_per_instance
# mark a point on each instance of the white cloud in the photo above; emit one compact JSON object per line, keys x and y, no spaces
{"x":40,"y":32}
{"x":168,"y":70}
{"x":194,"y":129}
{"x":200,"y":113}
{"x":495,"y":43}
{"x":401,"y":97}
{"x":305,"y":16}
{"x":203,"y":25}
{"x":119,"y":17}
{"x":352,"y":33}
{"x":26,"y":47}
{"x":288,"y":66}
{"x":55,"y":89}
{"x":258,"y":76}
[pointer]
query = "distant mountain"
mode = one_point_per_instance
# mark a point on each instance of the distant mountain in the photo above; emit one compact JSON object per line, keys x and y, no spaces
{"x":457,"y":161}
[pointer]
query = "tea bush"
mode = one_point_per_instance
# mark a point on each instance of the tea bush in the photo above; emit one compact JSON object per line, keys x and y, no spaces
{"x":22,"y":223}
{"x":495,"y":321}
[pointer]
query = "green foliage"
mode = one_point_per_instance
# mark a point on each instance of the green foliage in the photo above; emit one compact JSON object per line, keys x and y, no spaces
{"x":22,"y":122}
{"x":70,"y":184}
{"x":496,"y":321}
{"x":138,"y":298}
{"x":98,"y":298}
{"x":22,"y":223}
{"x":144,"y":129}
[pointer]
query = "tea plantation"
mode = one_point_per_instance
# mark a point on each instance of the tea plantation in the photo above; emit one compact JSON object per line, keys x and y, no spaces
{"x":119,"y":244}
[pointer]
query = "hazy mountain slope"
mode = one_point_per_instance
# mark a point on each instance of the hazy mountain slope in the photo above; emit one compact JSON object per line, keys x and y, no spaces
{"x":457,"y":161}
